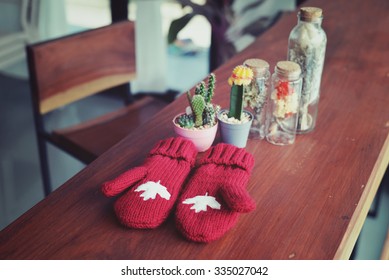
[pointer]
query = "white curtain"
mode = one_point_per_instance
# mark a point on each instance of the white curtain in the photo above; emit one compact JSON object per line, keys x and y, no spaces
{"x":151,"y":48}
{"x":52,"y":19}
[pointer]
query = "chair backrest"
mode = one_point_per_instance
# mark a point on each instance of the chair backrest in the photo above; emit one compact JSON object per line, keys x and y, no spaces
{"x":70,"y":68}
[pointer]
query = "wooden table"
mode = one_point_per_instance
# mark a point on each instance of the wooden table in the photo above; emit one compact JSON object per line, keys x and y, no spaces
{"x":312,"y":197}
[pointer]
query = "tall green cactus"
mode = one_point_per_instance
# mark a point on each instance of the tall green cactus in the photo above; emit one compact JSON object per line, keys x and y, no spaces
{"x":236,"y":102}
{"x":211,"y":88}
{"x":209,"y":114}
{"x":241,"y":76}
{"x":198,"y":105}
{"x":200,"y":89}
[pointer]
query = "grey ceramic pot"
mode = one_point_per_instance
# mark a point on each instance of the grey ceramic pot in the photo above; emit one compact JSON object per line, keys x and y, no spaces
{"x":234,"y":133}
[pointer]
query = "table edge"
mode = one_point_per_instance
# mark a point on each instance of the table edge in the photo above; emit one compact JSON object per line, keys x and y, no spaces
{"x":359,"y":216}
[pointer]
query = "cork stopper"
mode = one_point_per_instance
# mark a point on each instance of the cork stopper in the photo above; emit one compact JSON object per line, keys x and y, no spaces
{"x":288,"y":69}
{"x":260,"y":67}
{"x":310,"y":13}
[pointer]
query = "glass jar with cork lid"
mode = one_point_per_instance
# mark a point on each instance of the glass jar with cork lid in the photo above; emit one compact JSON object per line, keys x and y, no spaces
{"x":255,"y":95}
{"x":283,"y":106}
{"x":307,"y":45}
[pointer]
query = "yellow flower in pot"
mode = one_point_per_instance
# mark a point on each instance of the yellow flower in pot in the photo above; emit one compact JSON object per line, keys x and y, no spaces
{"x":235,"y":123}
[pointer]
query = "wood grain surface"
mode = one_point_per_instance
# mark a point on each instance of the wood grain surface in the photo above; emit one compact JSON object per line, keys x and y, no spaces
{"x":312,"y":197}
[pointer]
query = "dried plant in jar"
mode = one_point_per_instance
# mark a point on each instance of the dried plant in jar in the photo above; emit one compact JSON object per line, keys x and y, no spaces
{"x":307,"y":44}
{"x":255,"y":95}
{"x":284,"y":101}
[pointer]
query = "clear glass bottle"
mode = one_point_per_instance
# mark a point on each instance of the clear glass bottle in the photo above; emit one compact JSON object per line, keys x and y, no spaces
{"x":255,"y":96}
{"x":307,"y":45}
{"x":283,"y":105}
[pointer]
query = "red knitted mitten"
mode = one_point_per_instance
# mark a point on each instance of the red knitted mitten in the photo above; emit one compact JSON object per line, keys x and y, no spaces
{"x":154,"y":186}
{"x":210,"y":204}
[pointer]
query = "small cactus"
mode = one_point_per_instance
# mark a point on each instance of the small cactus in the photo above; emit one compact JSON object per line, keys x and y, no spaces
{"x":203,"y":111}
{"x":198,"y":106}
{"x":211,"y":88}
{"x":241,"y":76}
{"x":185,"y":121}
{"x":200,"y":89}
{"x":209,"y":115}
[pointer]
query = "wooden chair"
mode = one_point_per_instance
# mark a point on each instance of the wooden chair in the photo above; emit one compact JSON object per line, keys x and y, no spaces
{"x":71,"y":68}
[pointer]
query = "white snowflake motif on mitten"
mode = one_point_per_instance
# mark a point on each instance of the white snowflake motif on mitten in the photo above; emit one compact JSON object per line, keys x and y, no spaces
{"x":151,"y":189}
{"x":200,"y":202}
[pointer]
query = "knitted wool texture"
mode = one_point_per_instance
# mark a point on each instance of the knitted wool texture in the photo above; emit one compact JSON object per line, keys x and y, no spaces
{"x":152,"y":189}
{"x":223,"y":173}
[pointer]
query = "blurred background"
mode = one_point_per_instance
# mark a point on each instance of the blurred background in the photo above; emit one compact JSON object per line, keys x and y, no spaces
{"x":178,"y":43}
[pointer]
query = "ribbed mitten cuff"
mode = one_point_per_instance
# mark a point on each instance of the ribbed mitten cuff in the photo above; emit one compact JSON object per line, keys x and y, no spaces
{"x":177,"y":148}
{"x":229,"y":155}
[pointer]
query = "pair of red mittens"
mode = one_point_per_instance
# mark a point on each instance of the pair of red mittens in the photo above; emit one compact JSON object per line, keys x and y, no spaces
{"x":210,"y":204}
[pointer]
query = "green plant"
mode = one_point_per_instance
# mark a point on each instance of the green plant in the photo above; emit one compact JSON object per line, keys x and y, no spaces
{"x":241,"y":76}
{"x":236,"y":102}
{"x":198,"y":106}
{"x":203,"y":111}
{"x":211,"y":88}
{"x":185,"y":121}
